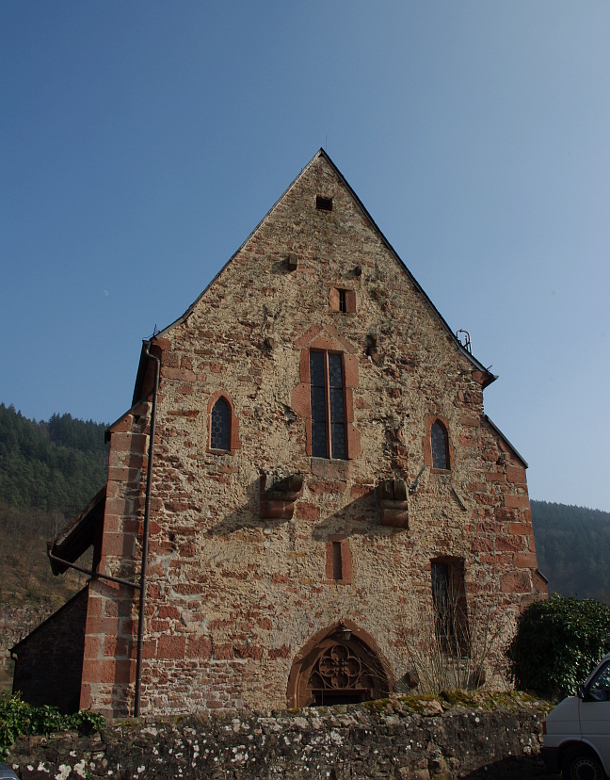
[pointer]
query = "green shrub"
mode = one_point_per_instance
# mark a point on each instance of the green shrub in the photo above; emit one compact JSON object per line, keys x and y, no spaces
{"x":558,"y":643}
{"x":17,"y":717}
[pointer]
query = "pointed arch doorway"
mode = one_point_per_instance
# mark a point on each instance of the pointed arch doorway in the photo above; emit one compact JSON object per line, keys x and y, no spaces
{"x":339,"y":665}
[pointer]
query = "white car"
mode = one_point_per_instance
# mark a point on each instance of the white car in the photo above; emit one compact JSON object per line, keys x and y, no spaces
{"x":576,"y":734}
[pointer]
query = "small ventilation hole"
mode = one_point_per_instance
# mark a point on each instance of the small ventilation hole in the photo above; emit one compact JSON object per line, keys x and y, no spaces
{"x":324,"y":204}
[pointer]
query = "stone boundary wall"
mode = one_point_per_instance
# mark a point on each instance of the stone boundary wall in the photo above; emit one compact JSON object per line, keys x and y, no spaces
{"x":459,"y":736}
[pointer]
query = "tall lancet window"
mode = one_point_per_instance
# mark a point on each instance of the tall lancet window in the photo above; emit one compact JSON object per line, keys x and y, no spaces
{"x":220,"y":426}
{"x":327,"y":405}
{"x":440,"y":446}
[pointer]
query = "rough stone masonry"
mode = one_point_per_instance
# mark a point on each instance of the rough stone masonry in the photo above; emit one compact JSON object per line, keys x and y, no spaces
{"x":325,"y":480}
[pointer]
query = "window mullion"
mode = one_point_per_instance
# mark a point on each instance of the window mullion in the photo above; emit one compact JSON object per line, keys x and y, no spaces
{"x":327,"y":392}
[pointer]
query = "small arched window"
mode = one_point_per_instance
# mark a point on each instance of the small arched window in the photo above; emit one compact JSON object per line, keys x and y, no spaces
{"x":220,"y":426}
{"x":440,"y":446}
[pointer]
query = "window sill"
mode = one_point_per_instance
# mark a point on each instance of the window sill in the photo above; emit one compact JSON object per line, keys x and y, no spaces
{"x":349,"y":581}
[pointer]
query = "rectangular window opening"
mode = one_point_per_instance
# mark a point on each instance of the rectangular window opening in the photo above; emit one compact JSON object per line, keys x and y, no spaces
{"x":328,"y":435}
{"x":337,"y":568}
{"x":449,"y":606}
{"x":342,"y":301}
{"x":324,"y":204}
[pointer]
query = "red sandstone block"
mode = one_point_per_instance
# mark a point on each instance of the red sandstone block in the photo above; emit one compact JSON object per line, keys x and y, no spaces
{"x":102,"y":625}
{"x":125,"y":423}
{"x":91,"y":671}
{"x":172,"y":646}
{"x":115,"y":646}
{"x":525,"y":560}
{"x":118,"y":506}
{"x":517,"y":502}
{"x":119,"y":474}
{"x":493,"y":476}
{"x":149,"y":648}
{"x":330,"y":469}
{"x":481,"y":545}
{"x":505,"y":515}
{"x":307,"y":511}
{"x":129,"y":442}
{"x":351,"y":371}
{"x":162,"y":343}
{"x":186,"y":588}
{"x":92,"y":647}
{"x":279,"y":652}
{"x":86,"y":699}
{"x":248,"y":651}
{"x":199,"y":648}
{"x":515,"y":582}
{"x":301,"y":400}
{"x":94,"y":606}
{"x":265,"y":624}
{"x":159,"y":625}
{"x":520,"y":528}
{"x":122,"y":545}
{"x":169,"y":612}
{"x":181,"y":374}
{"x":278,"y":578}
{"x":509,"y":543}
{"x":214,"y":705}
{"x":223,"y":652}
{"x":321,"y":486}
{"x":115,"y":672}
{"x":472,"y":422}
{"x":494,"y":560}
{"x":516,"y":474}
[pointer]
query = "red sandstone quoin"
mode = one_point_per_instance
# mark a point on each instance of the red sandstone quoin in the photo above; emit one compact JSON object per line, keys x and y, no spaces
{"x":323,"y":475}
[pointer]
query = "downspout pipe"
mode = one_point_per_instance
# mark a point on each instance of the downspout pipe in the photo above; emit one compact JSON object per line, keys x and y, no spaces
{"x":145,"y":532}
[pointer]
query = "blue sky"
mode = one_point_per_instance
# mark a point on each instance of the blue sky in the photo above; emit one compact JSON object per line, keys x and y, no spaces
{"x":141,"y":142}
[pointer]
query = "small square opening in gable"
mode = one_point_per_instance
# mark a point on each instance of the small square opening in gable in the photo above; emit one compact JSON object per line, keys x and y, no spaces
{"x":342,"y":300}
{"x":323,"y":203}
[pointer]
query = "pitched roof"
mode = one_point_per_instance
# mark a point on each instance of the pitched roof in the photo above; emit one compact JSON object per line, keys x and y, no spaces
{"x":79,"y":534}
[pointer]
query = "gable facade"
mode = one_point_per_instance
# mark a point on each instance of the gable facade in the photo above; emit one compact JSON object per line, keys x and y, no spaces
{"x":303,"y":522}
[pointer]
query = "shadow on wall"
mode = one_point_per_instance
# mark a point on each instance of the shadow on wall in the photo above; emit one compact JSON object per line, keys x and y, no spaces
{"x":359,"y":517}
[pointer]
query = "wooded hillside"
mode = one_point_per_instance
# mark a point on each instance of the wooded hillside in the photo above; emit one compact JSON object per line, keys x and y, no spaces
{"x":48,"y":472}
{"x":54,"y":466}
{"x":573,"y":547}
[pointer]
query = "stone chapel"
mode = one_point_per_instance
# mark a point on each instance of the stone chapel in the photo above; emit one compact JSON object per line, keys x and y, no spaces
{"x":304,"y":494}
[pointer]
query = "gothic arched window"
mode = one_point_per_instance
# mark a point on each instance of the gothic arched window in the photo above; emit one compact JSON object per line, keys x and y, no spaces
{"x":440,"y":446}
{"x":220,"y":426}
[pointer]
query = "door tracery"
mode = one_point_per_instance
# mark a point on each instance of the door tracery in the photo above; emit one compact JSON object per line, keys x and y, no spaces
{"x":338,"y":669}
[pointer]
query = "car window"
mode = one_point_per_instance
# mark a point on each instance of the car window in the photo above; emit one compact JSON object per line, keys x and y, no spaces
{"x":599,"y":687}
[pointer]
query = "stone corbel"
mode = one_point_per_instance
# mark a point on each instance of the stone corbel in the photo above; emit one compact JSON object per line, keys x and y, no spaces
{"x":393,"y":503}
{"x":277,"y":502}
